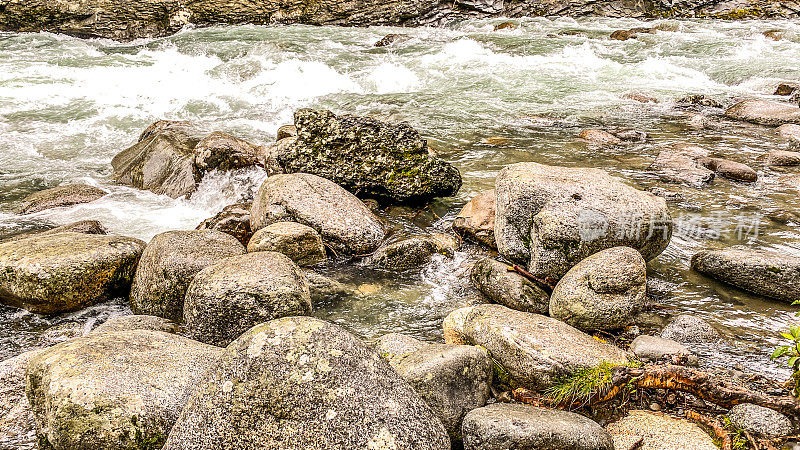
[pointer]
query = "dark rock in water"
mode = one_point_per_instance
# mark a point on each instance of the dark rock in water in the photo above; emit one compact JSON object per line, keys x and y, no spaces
{"x":599,"y":137}
{"x":787,"y":89}
{"x":538,"y":207}
{"x":682,"y":165}
{"x":224,"y":152}
{"x":476,"y":219}
{"x":654,"y":349}
{"x":368,"y":157}
{"x":120,"y":389}
{"x":623,"y":35}
{"x":507,"y":288}
{"x":390,"y":39}
{"x":234,"y":220}
{"x":343,"y":221}
{"x":60,"y":272}
{"x":137,"y":322}
{"x":226,"y":299}
{"x":763,"y":112}
{"x":730,"y":169}
{"x":687,"y":328}
{"x":629,"y":135}
{"x":286,"y":131}
{"x":699,"y":100}
{"x":325,"y":289}
{"x":775,"y":35}
{"x":783,"y":158}
{"x":302,"y":383}
{"x":513,"y":426}
{"x":412,"y":252}
{"x":451,"y":379}
{"x":505,"y":26}
{"x":762,"y":272}
{"x":69,"y":195}
{"x":605,"y":291}
{"x":299,"y":242}
{"x":666,"y":194}
{"x":699,"y":121}
{"x":17,"y":424}
{"x":760,"y":421}
{"x":169,"y":263}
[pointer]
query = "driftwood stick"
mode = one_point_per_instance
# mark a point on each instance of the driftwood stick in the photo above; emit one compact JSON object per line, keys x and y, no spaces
{"x":544,"y":284}
{"x":716,"y":427}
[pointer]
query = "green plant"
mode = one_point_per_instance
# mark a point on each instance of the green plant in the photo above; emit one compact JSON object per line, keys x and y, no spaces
{"x":585,"y":385}
{"x":792,"y":353}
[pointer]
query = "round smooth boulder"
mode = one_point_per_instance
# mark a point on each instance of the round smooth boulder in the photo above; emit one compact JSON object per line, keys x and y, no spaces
{"x":344,"y":222}
{"x":503,"y":426}
{"x":412,"y":252}
{"x":687,"y":328}
{"x":168,"y":264}
{"x":226,"y":299}
{"x":760,"y":421}
{"x":783,"y":158}
{"x":302,"y":383}
{"x":299,"y":242}
{"x":53,"y":273}
{"x":603,"y":292}
{"x":71,"y":194}
{"x":765,"y":112}
{"x":508,"y":288}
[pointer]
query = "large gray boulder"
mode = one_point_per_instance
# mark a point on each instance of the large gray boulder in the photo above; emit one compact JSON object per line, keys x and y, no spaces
{"x":503,"y":426}
{"x":476,"y":219}
{"x":52,"y":273}
{"x":114,"y":390}
{"x":368,"y":157}
{"x":17,"y":425}
{"x":302,"y":383}
{"x":508,"y":288}
{"x":603,"y":292}
{"x":68,"y":195}
{"x":762,"y":272}
{"x":765,"y":112}
{"x":534,"y":350}
{"x":299,"y":242}
{"x":168,"y":264}
{"x":226,"y":299}
{"x":344,"y":221}
{"x":452,"y":379}
{"x":553,"y":217}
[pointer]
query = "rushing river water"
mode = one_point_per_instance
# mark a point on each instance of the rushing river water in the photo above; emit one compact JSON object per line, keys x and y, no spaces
{"x":67,"y":106}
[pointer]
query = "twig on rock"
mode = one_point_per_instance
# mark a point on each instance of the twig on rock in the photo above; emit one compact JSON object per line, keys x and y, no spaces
{"x":546,"y":285}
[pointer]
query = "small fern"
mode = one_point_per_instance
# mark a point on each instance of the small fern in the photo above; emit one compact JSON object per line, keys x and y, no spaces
{"x":584,"y":385}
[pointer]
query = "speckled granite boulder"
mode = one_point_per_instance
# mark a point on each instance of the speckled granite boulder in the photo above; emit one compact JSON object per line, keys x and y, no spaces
{"x":412,"y":252}
{"x":299,"y":242}
{"x":68,"y":195}
{"x":760,"y":421}
{"x":508,"y":288}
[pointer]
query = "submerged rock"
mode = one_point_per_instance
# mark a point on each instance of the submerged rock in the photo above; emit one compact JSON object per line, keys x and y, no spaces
{"x":687,"y":328}
{"x":59,"y":272}
{"x":699,"y":100}
{"x":762,"y":272}
{"x":513,"y":426}
{"x":68,"y":195}
{"x":451,"y":379}
{"x":114,"y":390}
{"x":301,"y":383}
{"x":538,"y":207}
{"x":325,"y":289}
{"x":605,"y":291}
{"x":730,"y":169}
{"x":368,"y":157}
{"x":787,"y":89}
{"x":225,"y":299}
{"x":299,"y":242}
{"x":234,"y":220}
{"x":508,"y":288}
{"x":600,"y":137}
{"x":168,"y":264}
{"x":505,"y":26}
{"x":534,"y":350}
{"x":390,"y":39}
{"x":654,"y":349}
{"x":224,"y":152}
{"x":764,"y":112}
{"x":137,"y":322}
{"x":658,"y":431}
{"x":682,"y":165}
{"x":344,"y":222}
{"x":476,"y":219}
{"x":760,"y":421}
{"x":412,"y":252}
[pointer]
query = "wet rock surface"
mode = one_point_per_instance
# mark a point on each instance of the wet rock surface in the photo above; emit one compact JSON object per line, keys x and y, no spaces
{"x":504,"y":287}
{"x":764,"y":112}
{"x":654,"y":349}
{"x":682,"y":165}
{"x":69,"y":195}
{"x":299,"y":242}
{"x":413,"y":252}
{"x":222,"y":151}
{"x":760,"y":421}
{"x":687,"y":328}
{"x":234,"y":220}
{"x":476,"y":219}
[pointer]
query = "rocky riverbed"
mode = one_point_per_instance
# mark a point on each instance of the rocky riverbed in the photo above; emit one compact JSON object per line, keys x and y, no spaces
{"x":408,"y":232}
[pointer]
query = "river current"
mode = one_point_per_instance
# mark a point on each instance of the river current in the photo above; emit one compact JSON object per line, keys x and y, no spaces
{"x":483,"y":98}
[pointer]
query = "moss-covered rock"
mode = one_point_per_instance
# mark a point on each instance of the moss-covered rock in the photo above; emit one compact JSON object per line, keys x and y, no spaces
{"x":52,"y":273}
{"x":68,"y":195}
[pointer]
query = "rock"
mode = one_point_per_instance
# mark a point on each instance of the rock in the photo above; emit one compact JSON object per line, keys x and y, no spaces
{"x":513,"y":426}
{"x":653,"y":349}
{"x":476,"y":219}
{"x":787,"y":89}
{"x":222,"y":151}
{"x":730,"y":169}
{"x":162,"y":161}
{"x":137,"y":322}
{"x":629,"y":135}
{"x":538,"y":207}
{"x":775,"y":35}
{"x":225,"y":299}
{"x":760,"y":421}
{"x":81,"y":226}
{"x":451,"y":379}
{"x":699,"y":100}
{"x":599,"y":137}
{"x":666,"y":194}
{"x":325,"y":289}
{"x":68,"y":195}
{"x":505,"y":26}
{"x":299,"y":242}
{"x":53,"y":273}
{"x":62,"y":332}
{"x":390,"y":39}
{"x":682,"y":165}
{"x":535,"y":351}
{"x":764,"y":112}
{"x":762,"y":272}
{"x":301,"y":383}
{"x":269,"y":157}
{"x":412,"y":252}
{"x":789,"y":132}
{"x":114,"y":390}
{"x":168,"y":264}
{"x":658,"y":431}
{"x":234,"y":220}
{"x":623,"y":35}
{"x":605,"y":291}
{"x":698,"y":121}
{"x":343,"y":221}
{"x":386,"y":161}
{"x":687,"y":328}
{"x":17,"y":425}
{"x":783,"y":158}
{"x":286,"y":131}
{"x":640,"y":97}
{"x":506,"y":288}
